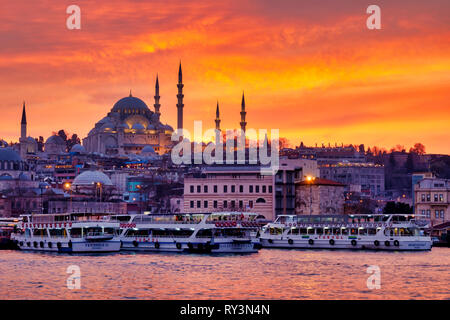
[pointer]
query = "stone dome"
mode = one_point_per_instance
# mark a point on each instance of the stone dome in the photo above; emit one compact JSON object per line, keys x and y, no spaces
{"x":78,"y":148}
{"x":131,"y":105}
{"x":91,"y":177}
{"x":148,"y":149}
{"x":55,"y":140}
{"x":8,"y":154}
{"x":138,"y":126}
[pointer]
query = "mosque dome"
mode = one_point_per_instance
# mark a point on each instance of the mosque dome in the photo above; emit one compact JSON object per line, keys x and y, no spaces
{"x":55,"y":140}
{"x":104,"y":120}
{"x":24,"y":177}
{"x":131,"y":105}
{"x":138,"y":126}
{"x":78,"y":148}
{"x":3,"y":144}
{"x":123,"y":125}
{"x":151,"y":127}
{"x":148,"y":149}
{"x":8,"y":154}
{"x":168,"y":128}
{"x":107,"y":126}
{"x":91,"y":177}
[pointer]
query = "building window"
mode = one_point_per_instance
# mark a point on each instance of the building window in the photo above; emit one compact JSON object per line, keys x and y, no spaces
{"x":241,"y":189}
{"x":250,"y":203}
{"x":192,"y":204}
{"x":192,"y":189}
{"x":442,"y":214}
{"x":225,"y":204}
{"x":435,"y":198}
{"x":225,"y":189}
{"x":428,"y":213}
{"x":257,"y":189}
{"x":215,"y":204}
{"x":250,"y":189}
{"x":233,"y":204}
{"x":233,"y":188}
{"x":441,"y":198}
{"x":436,"y":213}
{"x":264,"y":189}
{"x":260,"y":200}
{"x":423,"y":197}
{"x":270,"y":189}
{"x":241,"y":204}
{"x":215,"y":189}
{"x":428,"y":197}
{"x":423,"y":212}
{"x":199,"y":189}
{"x":198,"y":204}
{"x":205,"y":189}
{"x":205,"y":204}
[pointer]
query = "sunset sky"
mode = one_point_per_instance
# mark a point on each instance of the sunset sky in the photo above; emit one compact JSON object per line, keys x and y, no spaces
{"x":310,"y":68}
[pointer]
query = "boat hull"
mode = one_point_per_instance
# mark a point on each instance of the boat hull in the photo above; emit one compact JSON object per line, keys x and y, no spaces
{"x":186,"y":245}
{"x":391,"y":244}
{"x":67,"y":246}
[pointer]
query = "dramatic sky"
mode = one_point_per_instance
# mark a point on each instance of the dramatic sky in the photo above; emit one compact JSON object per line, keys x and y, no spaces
{"x":310,"y":68}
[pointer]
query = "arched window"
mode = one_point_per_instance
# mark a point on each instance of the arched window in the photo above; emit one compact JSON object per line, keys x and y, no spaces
{"x":260,"y":200}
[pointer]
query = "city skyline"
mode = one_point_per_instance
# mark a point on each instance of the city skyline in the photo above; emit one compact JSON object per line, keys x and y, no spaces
{"x":315,"y":72}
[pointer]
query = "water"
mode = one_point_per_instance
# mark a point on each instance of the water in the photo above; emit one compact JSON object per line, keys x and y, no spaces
{"x":269,"y":274}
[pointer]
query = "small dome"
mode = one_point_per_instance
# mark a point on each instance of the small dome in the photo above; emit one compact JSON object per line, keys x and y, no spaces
{"x":151,"y":127}
{"x":78,"y":148}
{"x":31,"y":140}
{"x":123,"y":125}
{"x":104,"y":120}
{"x":55,"y":140}
{"x":24,"y":177}
{"x":107,"y":125}
{"x":91,"y":177}
{"x":3,"y":144}
{"x":4,"y":177}
{"x":138,"y":126}
{"x":148,"y":149}
{"x":8,"y":154}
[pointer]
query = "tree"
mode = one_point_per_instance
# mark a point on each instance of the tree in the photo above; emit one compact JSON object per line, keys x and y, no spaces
{"x":397,"y":207}
{"x":418,"y":149}
{"x":62,"y":134}
{"x":72,"y":141}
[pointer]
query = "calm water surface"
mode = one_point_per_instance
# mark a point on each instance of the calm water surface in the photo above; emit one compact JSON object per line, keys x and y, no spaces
{"x":269,"y":274}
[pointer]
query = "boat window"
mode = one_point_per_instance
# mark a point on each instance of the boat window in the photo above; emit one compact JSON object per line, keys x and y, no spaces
{"x":414,"y":232}
{"x":362,"y":232}
{"x":56,"y":232}
{"x":303,"y":231}
{"x":276,"y":231}
{"x":353,"y":231}
{"x":327,"y":231}
{"x":75,"y":232}
{"x":294,"y":231}
{"x":372,"y":231}
{"x":344,"y":231}
{"x":40,"y":232}
{"x":310,"y":230}
{"x":108,"y":231}
{"x":204,"y":233}
{"x":336,"y":231}
{"x":319,"y":231}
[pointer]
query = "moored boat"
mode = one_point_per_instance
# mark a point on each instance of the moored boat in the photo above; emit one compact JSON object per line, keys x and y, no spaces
{"x":71,"y":233}
{"x":218,"y":232}
{"x":386,"y":232}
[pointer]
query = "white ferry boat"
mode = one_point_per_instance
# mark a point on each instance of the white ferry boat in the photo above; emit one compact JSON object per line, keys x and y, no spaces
{"x":219,"y":232}
{"x":380,"y":232}
{"x":71,"y":233}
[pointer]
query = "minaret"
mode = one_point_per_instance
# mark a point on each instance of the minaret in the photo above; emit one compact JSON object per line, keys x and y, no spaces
{"x":23,"y":133}
{"x":157,"y":105}
{"x":217,"y":117}
{"x":180,"y":97}
{"x":243,"y":113}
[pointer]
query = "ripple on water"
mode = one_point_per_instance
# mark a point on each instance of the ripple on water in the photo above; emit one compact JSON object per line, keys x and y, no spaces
{"x":269,"y":274}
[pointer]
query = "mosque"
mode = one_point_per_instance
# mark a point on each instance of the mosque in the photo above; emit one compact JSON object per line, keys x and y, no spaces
{"x":129,"y":128}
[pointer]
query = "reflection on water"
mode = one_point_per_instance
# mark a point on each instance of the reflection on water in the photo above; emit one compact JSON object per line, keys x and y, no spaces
{"x":269,"y":274}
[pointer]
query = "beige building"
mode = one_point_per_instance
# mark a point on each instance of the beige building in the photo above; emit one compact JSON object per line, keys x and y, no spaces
{"x":231,"y":188}
{"x":432,"y":200}
{"x":319,"y":196}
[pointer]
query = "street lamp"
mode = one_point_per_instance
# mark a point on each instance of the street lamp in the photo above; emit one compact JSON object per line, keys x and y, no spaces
{"x":310,"y":180}
{"x":66,"y":187}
